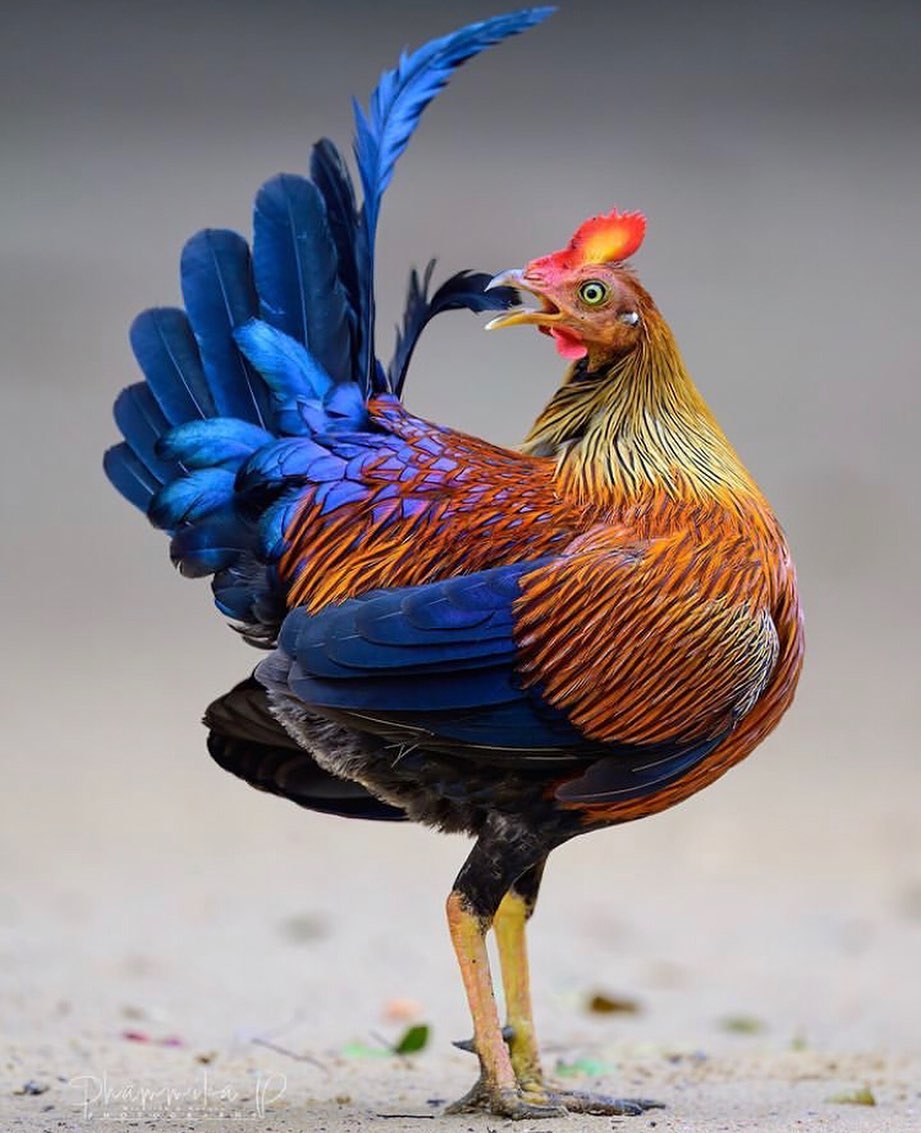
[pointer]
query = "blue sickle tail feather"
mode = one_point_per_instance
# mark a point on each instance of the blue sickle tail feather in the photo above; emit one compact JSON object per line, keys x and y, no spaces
{"x":394,"y":110}
{"x":275,"y":349}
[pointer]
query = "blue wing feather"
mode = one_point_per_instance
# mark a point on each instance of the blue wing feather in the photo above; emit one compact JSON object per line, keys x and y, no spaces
{"x":443,"y":648}
{"x":190,"y":498}
{"x":214,"y":544}
{"x":437,"y":664}
{"x":290,"y":370}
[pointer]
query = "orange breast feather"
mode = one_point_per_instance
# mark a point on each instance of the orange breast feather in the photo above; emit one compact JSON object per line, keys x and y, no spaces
{"x":690,"y":634}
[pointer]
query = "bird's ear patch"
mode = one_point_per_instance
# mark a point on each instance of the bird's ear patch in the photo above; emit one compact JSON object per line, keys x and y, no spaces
{"x":601,"y":240}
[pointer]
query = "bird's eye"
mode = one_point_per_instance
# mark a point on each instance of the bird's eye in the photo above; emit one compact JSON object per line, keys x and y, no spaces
{"x":593,"y":292}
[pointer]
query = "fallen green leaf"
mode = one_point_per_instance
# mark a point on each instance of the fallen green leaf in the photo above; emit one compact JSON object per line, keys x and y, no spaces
{"x":742,"y":1025}
{"x":363,"y":1050}
{"x":413,"y":1040}
{"x":863,"y":1096}
{"x":589,"y":1067}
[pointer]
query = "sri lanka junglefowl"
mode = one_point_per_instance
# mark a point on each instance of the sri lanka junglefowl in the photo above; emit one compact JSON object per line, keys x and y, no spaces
{"x":523,"y":645}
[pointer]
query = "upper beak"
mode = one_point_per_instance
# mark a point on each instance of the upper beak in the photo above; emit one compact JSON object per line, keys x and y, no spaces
{"x":515,"y":277}
{"x":510,"y":278}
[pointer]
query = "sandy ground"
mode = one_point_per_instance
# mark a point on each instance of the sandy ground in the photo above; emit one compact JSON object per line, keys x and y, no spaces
{"x":201,"y":956}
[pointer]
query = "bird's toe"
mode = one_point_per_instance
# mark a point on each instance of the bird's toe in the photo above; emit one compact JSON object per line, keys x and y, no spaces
{"x":575,"y":1101}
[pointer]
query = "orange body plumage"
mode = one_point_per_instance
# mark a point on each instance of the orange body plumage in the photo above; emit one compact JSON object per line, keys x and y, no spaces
{"x":669,"y":610}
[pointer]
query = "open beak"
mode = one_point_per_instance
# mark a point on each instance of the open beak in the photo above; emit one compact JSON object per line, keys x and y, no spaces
{"x":547,"y":313}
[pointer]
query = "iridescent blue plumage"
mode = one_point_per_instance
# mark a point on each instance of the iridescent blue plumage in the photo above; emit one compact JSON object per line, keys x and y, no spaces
{"x":219,"y":293}
{"x":296,"y":269}
{"x":330,"y":174}
{"x":437,"y":664}
{"x":253,"y":389}
{"x":217,"y":442}
{"x":166,"y":351}
{"x":290,"y":370}
{"x":437,"y":659}
{"x":129,"y":476}
{"x":190,"y":498}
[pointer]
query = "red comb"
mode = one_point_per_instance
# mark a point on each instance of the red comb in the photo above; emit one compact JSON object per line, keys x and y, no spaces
{"x":602,"y":240}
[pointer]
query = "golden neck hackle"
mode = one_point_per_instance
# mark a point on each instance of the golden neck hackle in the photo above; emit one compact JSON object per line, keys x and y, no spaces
{"x":624,"y":427}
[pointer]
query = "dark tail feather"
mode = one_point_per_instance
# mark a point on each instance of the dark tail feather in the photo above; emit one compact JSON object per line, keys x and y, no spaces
{"x":331,"y":177}
{"x":246,"y":740}
{"x":463,"y":291}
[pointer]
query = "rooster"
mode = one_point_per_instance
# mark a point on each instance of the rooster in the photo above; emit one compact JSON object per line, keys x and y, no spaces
{"x":522,"y":645}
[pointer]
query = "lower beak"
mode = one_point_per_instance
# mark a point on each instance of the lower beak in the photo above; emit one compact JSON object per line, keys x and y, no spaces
{"x":522,"y":316}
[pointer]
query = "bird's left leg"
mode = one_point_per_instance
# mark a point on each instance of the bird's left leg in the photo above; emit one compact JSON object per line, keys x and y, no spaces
{"x":510,"y":924}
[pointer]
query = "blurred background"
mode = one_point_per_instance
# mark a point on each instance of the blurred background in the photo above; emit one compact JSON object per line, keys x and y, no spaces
{"x":774,"y":151}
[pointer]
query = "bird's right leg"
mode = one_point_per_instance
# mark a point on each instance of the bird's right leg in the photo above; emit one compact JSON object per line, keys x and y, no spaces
{"x":509,"y":926}
{"x":495,"y":861}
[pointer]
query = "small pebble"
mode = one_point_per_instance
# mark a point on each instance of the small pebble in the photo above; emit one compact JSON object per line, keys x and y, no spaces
{"x":31,"y":1089}
{"x":400,"y":1010}
{"x":600,"y":1003}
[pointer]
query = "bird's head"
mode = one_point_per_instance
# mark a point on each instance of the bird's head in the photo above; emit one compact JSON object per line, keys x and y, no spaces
{"x":589,"y":302}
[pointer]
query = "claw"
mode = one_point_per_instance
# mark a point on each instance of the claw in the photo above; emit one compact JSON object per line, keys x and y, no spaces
{"x":508,"y":1033}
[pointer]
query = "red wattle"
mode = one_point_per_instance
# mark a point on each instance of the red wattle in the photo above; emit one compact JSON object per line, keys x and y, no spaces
{"x":568,"y":346}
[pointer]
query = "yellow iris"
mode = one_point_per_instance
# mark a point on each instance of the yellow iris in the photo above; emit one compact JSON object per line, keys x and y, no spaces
{"x":593,"y":292}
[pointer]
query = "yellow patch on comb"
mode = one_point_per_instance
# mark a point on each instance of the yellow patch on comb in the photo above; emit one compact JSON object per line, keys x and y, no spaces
{"x":608,"y":239}
{"x":599,"y":240}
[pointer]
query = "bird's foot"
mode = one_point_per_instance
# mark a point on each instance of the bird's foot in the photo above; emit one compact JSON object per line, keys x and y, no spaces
{"x":578,"y":1101}
{"x":512,"y":1102}
{"x":535,"y":1100}
{"x":535,"y":1097}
